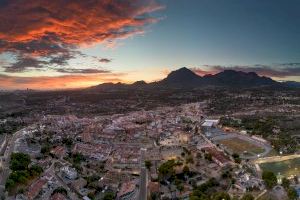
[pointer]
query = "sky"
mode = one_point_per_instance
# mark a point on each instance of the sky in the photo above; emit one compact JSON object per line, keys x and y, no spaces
{"x":63,"y":44}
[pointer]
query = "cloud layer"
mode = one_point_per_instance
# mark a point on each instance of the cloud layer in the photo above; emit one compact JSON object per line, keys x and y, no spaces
{"x":282,"y":70}
{"x":50,"y":32}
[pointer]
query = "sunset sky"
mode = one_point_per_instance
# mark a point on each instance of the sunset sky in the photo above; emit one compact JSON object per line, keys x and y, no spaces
{"x":69,"y":44}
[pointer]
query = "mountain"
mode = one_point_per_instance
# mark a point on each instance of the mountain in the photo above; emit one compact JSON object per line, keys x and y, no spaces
{"x":234,"y":78}
{"x":182,"y":77}
{"x":185,"y":78}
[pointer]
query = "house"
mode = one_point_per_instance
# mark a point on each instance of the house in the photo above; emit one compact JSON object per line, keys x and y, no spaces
{"x":218,"y":156}
{"x":58,"y":196}
{"x":58,"y":152}
{"x":79,"y":184}
{"x":128,"y":191}
{"x":35,"y":188}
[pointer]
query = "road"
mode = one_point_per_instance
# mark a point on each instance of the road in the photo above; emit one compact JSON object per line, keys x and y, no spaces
{"x":6,"y":157}
{"x":277,"y":158}
{"x":143,"y":177}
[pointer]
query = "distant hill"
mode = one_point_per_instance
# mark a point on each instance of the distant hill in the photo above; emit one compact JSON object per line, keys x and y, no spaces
{"x":291,"y":84}
{"x":238,"y":79}
{"x":185,"y":78}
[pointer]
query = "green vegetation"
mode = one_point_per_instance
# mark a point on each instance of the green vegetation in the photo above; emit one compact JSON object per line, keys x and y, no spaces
{"x":21,"y":172}
{"x":77,"y":158}
{"x":208,"y":156}
{"x":248,"y":197}
{"x":109,"y":196}
{"x":285,"y":183}
{"x":189,"y":159}
{"x":292,"y":193}
{"x":220,"y":196}
{"x":92,"y":181}
{"x":186,"y":170}
{"x":269,"y":179}
{"x":148,"y":164}
{"x":45,"y":150}
{"x":226,"y":174}
{"x":236,"y":158}
{"x":11,"y":127}
{"x":166,"y":170}
{"x":207,"y":191}
{"x":277,"y":129}
{"x":60,"y":190}
{"x":286,"y":168}
{"x":19,"y":161}
{"x":68,"y":142}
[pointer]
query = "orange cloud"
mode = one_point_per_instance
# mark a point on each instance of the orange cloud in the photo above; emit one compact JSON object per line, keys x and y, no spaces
{"x":73,"y":22}
{"x":55,"y":29}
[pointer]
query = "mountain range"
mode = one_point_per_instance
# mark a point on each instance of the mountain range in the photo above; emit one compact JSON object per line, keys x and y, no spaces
{"x":186,"y":78}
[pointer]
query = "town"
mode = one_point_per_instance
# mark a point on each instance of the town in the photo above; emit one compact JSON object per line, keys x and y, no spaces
{"x":176,"y":152}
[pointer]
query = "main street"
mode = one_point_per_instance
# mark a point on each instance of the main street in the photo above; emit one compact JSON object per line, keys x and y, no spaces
{"x":143,"y":177}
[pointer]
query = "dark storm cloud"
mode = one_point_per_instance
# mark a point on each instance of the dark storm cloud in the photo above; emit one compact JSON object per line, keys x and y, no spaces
{"x":104,"y":60}
{"x":23,"y":63}
{"x":82,"y":71}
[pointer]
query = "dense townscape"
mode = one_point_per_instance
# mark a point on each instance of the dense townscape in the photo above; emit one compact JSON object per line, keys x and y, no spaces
{"x":231,"y":145}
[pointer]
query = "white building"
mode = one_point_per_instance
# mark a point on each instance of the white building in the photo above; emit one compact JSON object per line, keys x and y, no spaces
{"x":69,"y":172}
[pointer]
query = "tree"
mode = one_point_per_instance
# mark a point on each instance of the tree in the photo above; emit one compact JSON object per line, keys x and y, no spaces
{"x":180,"y":187}
{"x":19,"y":161}
{"x":285,"y":183}
{"x":154,"y":196}
{"x":9,"y":184}
{"x":77,"y":158}
{"x":148,"y":164}
{"x":226,"y":174}
{"x":269,"y":179}
{"x":35,"y":170}
{"x":189,"y":159}
{"x":292,"y":193}
{"x":202,"y":192}
{"x":236,"y":158}
{"x":60,"y":190}
{"x":109,"y":196}
{"x":67,"y":141}
{"x":221,"y":196}
{"x":247,"y":197}
{"x":208,"y":156}
{"x":45,"y":150}
{"x":167,"y":169}
{"x":185,"y":170}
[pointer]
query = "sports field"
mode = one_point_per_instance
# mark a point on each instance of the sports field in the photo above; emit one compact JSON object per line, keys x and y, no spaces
{"x":240,"y":146}
{"x":286,"y":168}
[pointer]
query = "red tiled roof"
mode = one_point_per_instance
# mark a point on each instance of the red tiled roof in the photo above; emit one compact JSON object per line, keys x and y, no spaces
{"x":35,"y":188}
{"x":57,"y":196}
